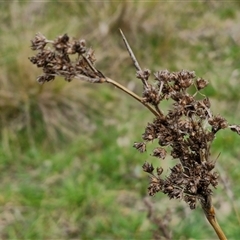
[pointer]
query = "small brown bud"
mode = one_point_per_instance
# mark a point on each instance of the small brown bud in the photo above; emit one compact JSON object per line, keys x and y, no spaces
{"x":39,"y":42}
{"x":147,"y":167}
{"x":159,"y":152}
{"x":201,"y":83}
{"x":141,"y":147}
{"x":217,"y":123}
{"x":159,"y":171}
{"x":144,"y":75}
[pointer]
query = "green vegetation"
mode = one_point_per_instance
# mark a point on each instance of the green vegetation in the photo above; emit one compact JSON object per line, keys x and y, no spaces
{"x":68,"y":169}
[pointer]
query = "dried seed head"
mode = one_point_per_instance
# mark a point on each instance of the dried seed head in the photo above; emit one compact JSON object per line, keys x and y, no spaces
{"x":217,"y":123}
{"x":159,"y":171}
{"x":143,"y":74}
{"x":77,"y":47}
{"x":191,"y":201}
{"x":39,"y":42}
{"x":185,"y":83}
{"x":154,"y":186}
{"x":162,"y":76}
{"x":150,"y":133}
{"x":184,"y":79}
{"x":206,"y":102}
{"x":147,"y":167}
{"x":201,"y":83}
{"x":45,"y":78}
{"x":177,"y":169}
{"x":141,"y":147}
{"x":150,"y":95}
{"x":159,"y":152}
{"x":61,"y":43}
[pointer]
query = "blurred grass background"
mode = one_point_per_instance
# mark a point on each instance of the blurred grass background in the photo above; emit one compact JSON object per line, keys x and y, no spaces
{"x":68,"y":169}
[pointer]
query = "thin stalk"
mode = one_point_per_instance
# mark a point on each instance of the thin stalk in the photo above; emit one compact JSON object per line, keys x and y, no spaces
{"x":135,"y":62}
{"x":132,"y":94}
{"x":156,"y":112}
{"x":210,"y":215}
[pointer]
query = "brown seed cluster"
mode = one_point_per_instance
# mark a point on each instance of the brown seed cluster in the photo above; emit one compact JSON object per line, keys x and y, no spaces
{"x":186,"y":131}
{"x":56,"y":61}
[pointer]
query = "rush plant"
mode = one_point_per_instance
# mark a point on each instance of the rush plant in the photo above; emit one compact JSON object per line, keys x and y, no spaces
{"x":186,"y":131}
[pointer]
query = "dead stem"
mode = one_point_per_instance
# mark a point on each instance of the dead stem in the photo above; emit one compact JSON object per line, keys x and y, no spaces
{"x":210,"y":215}
{"x":142,"y":74}
{"x":132,"y":94}
{"x":135,"y":62}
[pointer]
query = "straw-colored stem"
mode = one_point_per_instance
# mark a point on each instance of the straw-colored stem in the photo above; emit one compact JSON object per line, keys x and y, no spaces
{"x":132,"y":94}
{"x":210,"y":215}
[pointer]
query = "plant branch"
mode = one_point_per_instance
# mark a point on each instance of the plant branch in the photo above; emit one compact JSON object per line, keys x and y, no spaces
{"x":135,"y":62}
{"x":132,"y":94}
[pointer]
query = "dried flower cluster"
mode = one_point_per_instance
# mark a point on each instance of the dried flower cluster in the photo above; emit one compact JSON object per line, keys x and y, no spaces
{"x":56,"y":61}
{"x":186,"y":131}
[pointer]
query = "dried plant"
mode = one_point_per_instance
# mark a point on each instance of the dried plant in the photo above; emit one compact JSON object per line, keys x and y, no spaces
{"x":186,"y":131}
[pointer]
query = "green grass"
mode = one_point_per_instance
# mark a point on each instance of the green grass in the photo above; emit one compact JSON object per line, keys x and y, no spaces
{"x":68,"y":168}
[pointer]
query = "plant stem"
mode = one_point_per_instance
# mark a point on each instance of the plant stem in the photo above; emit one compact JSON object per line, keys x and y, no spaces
{"x":210,"y":215}
{"x":132,"y":94}
{"x":135,"y":62}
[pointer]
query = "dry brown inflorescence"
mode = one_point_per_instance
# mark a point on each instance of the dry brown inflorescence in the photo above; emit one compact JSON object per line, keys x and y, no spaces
{"x":186,"y":131}
{"x":57,"y":61}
